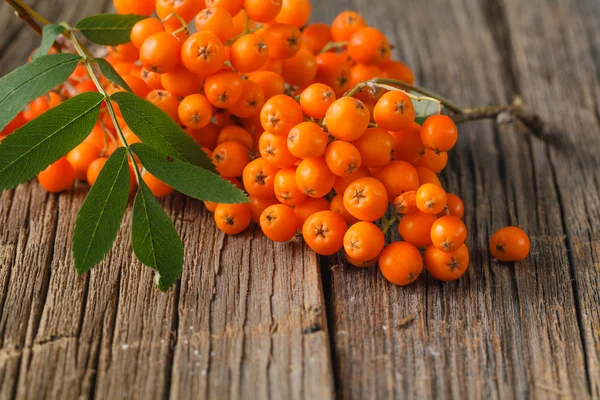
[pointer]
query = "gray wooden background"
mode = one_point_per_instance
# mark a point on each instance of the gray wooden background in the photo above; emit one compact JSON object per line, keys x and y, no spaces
{"x":253,"y":319}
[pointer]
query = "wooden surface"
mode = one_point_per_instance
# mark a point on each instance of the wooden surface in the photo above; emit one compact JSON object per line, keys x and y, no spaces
{"x":260,"y":320}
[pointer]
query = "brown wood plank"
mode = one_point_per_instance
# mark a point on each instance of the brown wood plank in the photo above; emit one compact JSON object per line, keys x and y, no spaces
{"x":504,"y":330}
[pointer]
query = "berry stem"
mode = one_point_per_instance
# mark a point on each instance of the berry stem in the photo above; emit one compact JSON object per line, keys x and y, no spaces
{"x":333,"y":45}
{"x":403,"y":85}
{"x":184,"y":25}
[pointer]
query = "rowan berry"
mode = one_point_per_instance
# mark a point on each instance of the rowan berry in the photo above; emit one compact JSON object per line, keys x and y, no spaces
{"x":257,"y":206}
{"x":286,"y":189}
{"x":251,"y":101}
{"x":427,"y":176}
{"x":324,"y":232}
{"x":439,"y":133}
{"x":224,"y":88}
{"x":278,"y":222}
{"x":156,"y":186}
{"x":316,"y":36}
{"x":94,"y":169}
{"x":345,"y":24}
{"x":431,"y":198}
{"x":181,"y":81}
{"x":347,"y":118}
{"x":415,"y":228}
{"x":81,"y":157}
{"x":368,"y":45}
{"x":342,"y":158}
{"x":262,"y":10}
{"x":249,"y":53}
{"x":17,"y":122}
{"x":273,"y":148}
{"x":139,"y":7}
{"x":137,"y":85}
{"x":186,"y":9}
{"x":295,"y":12}
{"x":364,"y":241}
{"x":160,"y":52}
{"x":366,"y":199}
{"x":455,"y":207}
{"x":398,"y":177}
{"x":342,"y":182}
{"x":57,"y":177}
{"x":230,"y":158}
{"x":166,"y":101}
{"x":234,"y":133}
{"x":270,"y":82}
{"x":363,"y":72}
{"x":510,"y":244}
{"x":207,"y":136}
{"x":308,"y":207}
{"x":195,"y":111}
{"x":376,"y":147}
{"x":40,"y":105}
{"x":446,"y":266}
{"x":307,"y":140}
{"x":259,"y":177}
{"x":203,"y":53}
{"x":217,"y":21}
{"x":396,"y":70}
{"x":316,"y":99}
{"x":125,"y":52}
{"x":406,"y":202}
{"x":448,"y":233}
{"x":337,"y":205}
{"x":283,"y":40}
{"x":394,"y":111}
{"x":314,"y":178}
{"x":333,"y":71}
{"x":401,"y":263}
{"x":359,"y":263}
{"x":233,"y":7}
{"x":280,"y":114}
{"x":301,"y":69}
{"x":432,"y":160}
{"x":232,"y":218}
{"x":152,"y":79}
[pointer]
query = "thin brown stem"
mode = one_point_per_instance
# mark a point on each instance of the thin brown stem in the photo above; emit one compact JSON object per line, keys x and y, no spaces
{"x":393,"y":82}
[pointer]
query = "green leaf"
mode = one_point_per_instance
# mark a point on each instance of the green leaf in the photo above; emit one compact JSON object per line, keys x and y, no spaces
{"x":100,"y":215}
{"x":34,"y":146}
{"x":30,"y":81}
{"x":111,"y":74}
{"x":187,"y":178}
{"x":158,"y":130}
{"x":49,"y":34}
{"x":154,"y":239}
{"x":108,"y":29}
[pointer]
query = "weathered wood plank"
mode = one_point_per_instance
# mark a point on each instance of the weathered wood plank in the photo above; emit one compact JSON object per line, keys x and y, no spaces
{"x":503,"y":330}
{"x":251,"y":317}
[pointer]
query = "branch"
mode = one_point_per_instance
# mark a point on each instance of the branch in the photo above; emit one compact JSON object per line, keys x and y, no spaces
{"x":27,"y":15}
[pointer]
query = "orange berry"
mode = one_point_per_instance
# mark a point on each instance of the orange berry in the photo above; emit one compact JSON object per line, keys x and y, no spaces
{"x":251,"y":101}
{"x":308,"y":207}
{"x":280,"y":114}
{"x":273,"y":148}
{"x":57,"y":177}
{"x":139,"y":7}
{"x":324,"y":232}
{"x":448,"y":233}
{"x":347,"y":118}
{"x":283,"y":40}
{"x":455,"y":206}
{"x":181,"y":81}
{"x":431,"y":198}
{"x":160,"y":52}
{"x":257,"y":206}
{"x":446,"y":266}
{"x":368,"y":45}
{"x":401,"y":263}
{"x":394,"y":111}
{"x":314,"y":178}
{"x":398,"y":177}
{"x":166,"y":101}
{"x":224,"y":88}
{"x":510,"y":244}
{"x":333,"y":71}
{"x":278,"y":222}
{"x":144,"y":28}
{"x":316,"y":36}
{"x":233,"y":7}
{"x":376,"y":147}
{"x":366,"y":199}
{"x":94,"y":169}
{"x":186,"y":9}
{"x":81,"y":157}
{"x":230,"y":158}
{"x":427,"y":176}
{"x":195,"y":111}
{"x":415,"y":228}
{"x":259,"y":178}
{"x":342,"y":182}
{"x":342,"y":158}
{"x":316,"y":99}
{"x":301,"y":69}
{"x":364,"y":241}
{"x":232,"y":218}
{"x":396,"y":70}
{"x":249,"y":53}
{"x":96,"y":136}
{"x":270,"y":82}
{"x":295,"y":12}
{"x":207,"y":136}
{"x":407,"y":143}
{"x":307,"y":140}
{"x":217,"y":21}
{"x":156,"y":186}
{"x":152,"y":79}
{"x":234,"y":133}
{"x":286,"y":189}
{"x":262,"y":10}
{"x":439,"y":133}
{"x":362,"y":73}
{"x":432,"y":160}
{"x":203,"y":53}
{"x":406,"y":203}
{"x":337,"y":205}
{"x":345,"y":24}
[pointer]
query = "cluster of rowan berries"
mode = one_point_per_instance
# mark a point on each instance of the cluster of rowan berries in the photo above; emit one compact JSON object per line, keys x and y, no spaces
{"x":269,"y":99}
